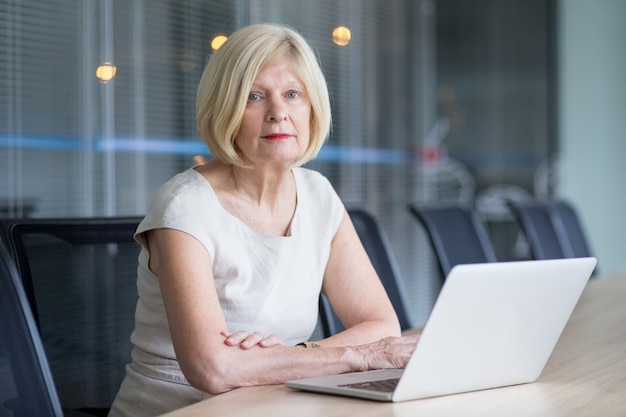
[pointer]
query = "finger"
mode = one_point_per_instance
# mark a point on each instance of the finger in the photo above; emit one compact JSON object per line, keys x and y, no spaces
{"x":272,"y":340}
{"x":409,"y":340}
{"x":234,"y":339}
{"x":252,"y":340}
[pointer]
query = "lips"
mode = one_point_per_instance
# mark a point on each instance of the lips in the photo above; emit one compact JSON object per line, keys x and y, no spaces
{"x":278,"y":136}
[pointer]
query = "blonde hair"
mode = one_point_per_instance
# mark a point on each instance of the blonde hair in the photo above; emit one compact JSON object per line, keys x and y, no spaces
{"x":228,"y":77}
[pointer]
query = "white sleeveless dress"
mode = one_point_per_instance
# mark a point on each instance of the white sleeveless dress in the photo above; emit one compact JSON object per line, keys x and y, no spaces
{"x":269,"y":284}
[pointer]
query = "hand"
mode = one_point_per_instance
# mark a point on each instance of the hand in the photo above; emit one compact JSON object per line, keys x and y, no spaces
{"x":390,"y":352}
{"x":246,"y":340}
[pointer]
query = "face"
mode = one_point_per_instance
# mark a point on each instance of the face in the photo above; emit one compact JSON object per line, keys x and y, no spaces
{"x":276,"y":123}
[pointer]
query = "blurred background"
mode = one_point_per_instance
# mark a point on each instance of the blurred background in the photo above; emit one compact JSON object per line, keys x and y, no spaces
{"x":474,"y":101}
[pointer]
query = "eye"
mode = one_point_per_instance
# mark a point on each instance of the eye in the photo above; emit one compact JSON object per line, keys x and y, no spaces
{"x":293,"y":94}
{"x":254,"y":97}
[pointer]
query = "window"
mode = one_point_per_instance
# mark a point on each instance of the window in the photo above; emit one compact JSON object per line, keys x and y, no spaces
{"x":73,"y":145}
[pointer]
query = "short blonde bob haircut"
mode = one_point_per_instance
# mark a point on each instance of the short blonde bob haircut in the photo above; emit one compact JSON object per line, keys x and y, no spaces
{"x":228,"y":77}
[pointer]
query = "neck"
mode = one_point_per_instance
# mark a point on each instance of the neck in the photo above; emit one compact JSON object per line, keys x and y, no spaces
{"x":262,"y":186}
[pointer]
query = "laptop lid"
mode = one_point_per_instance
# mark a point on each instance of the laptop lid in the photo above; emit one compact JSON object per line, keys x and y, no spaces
{"x":493,"y":325}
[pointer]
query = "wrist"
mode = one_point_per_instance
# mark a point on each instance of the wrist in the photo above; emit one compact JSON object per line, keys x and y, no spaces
{"x":309,"y":345}
{"x":353,"y":357}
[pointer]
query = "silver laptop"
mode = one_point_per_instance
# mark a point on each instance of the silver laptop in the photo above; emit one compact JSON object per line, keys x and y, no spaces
{"x":492,"y":325}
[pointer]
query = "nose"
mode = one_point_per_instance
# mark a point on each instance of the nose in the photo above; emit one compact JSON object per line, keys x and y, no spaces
{"x":276,"y":112}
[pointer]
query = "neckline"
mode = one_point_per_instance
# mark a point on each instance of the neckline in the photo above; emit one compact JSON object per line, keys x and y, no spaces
{"x":241,"y":223}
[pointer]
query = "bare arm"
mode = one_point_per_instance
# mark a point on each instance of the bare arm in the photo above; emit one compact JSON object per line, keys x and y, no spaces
{"x":198,"y":329}
{"x":356,"y":293}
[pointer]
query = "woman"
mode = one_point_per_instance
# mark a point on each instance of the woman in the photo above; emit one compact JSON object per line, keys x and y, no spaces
{"x":236,"y":251}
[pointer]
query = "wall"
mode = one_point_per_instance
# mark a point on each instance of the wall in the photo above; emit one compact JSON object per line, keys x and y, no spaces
{"x":592,"y":125}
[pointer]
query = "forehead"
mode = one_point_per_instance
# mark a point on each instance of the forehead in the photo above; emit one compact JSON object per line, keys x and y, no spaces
{"x":278,"y":74}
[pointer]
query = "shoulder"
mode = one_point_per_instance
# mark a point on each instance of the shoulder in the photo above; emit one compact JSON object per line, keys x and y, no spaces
{"x":182,"y":189}
{"x":179,"y":200}
{"x":308,"y":179}
{"x":181,"y":183}
{"x":317,"y":197}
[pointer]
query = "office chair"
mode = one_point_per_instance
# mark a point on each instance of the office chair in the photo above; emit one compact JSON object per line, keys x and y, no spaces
{"x":79,"y":276}
{"x":379,"y":250}
{"x":26,"y":385}
{"x":456,"y":235}
{"x":569,"y":229}
{"x":535,"y":220}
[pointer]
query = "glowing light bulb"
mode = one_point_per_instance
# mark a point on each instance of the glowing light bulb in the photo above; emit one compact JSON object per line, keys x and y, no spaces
{"x":218,"y":41}
{"x":105,"y":72}
{"x":341,"y":35}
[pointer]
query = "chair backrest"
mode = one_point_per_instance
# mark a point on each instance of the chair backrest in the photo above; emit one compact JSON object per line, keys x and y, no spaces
{"x":79,"y":276}
{"x":26,"y":384}
{"x":378,"y":248}
{"x":456,"y":235}
{"x":535,"y":220}
{"x":569,"y":230}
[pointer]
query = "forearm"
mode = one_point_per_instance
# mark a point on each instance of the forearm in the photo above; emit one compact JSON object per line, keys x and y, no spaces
{"x":362,"y":333}
{"x":234,"y":367}
{"x":223,"y":367}
{"x":344,"y":352}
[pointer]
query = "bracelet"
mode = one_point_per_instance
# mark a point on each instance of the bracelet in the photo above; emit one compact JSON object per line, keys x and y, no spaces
{"x":309,"y":345}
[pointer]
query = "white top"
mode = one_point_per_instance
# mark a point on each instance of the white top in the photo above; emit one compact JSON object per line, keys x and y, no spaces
{"x":269,"y":284}
{"x":265,"y":283}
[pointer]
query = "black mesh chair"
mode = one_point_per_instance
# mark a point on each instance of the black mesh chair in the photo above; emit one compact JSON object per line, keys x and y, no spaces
{"x":79,"y":276}
{"x":379,"y":250}
{"x":535,"y":220}
{"x":456,"y":235}
{"x":26,"y":384}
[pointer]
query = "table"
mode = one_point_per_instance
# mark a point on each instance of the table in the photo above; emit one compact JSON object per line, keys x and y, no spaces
{"x":585,"y":376}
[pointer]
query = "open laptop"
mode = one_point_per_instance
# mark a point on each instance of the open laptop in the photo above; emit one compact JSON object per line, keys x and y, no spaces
{"x":493,"y":325}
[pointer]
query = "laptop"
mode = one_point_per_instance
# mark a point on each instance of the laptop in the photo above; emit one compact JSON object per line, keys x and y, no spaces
{"x":492,"y":325}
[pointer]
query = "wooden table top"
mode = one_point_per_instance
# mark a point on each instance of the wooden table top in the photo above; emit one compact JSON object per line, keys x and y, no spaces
{"x":585,"y":376}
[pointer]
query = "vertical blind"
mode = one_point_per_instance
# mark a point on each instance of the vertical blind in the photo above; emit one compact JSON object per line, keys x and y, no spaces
{"x":73,"y":145}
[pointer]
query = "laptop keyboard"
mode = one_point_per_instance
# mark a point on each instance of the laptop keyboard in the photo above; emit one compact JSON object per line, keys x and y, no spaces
{"x":381,"y":385}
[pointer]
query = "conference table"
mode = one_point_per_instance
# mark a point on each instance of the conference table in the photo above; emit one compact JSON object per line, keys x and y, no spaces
{"x":585,"y":376}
